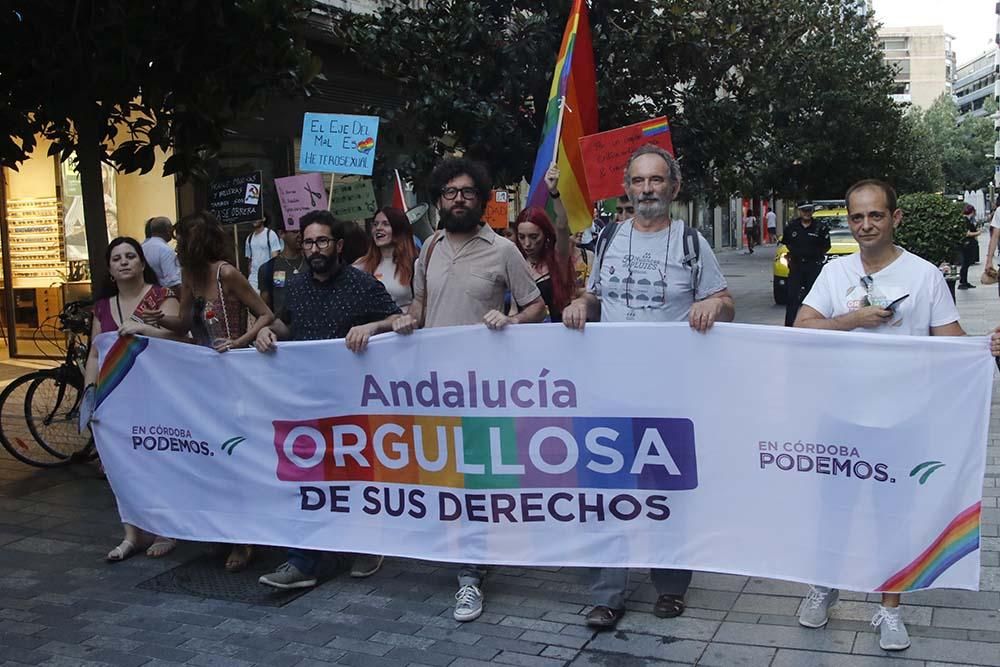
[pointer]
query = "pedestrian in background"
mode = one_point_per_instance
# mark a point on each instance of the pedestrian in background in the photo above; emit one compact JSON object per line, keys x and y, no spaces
{"x":807,"y":241}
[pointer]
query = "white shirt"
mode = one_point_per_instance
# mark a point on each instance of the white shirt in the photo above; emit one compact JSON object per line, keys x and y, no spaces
{"x":995,"y":222}
{"x":260,"y":247}
{"x":749,"y":221}
{"x":839,"y":291}
{"x":385,"y":273}
{"x":634,"y":286}
{"x":772,"y":220}
{"x":163,"y":260}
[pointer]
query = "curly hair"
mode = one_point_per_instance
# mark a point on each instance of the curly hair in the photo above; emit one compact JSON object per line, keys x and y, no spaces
{"x":561,"y":269}
{"x":453,"y":168}
{"x":404,"y":250}
{"x":200,"y":242}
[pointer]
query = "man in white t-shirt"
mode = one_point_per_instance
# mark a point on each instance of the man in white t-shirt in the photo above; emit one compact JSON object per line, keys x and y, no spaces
{"x":261,"y":245}
{"x":750,"y":228}
{"x":880,"y":289}
{"x":772,"y":226}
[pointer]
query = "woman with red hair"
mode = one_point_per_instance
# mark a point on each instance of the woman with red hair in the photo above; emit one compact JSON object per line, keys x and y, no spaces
{"x":391,"y":255}
{"x":546,"y":247}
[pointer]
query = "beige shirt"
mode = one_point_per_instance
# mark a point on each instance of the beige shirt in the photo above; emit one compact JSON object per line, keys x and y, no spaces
{"x":467,"y":283}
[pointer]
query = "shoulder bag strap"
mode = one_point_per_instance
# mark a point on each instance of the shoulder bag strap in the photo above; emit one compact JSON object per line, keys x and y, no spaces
{"x":222,"y":300}
{"x":427,"y":265}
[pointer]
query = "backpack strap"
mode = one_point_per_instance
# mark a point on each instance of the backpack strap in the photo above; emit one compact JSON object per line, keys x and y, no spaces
{"x":427,"y":265}
{"x":604,"y":239}
{"x":692,"y":255}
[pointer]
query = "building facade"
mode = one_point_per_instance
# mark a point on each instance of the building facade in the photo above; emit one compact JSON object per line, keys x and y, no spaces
{"x":923,"y":60}
{"x":974,"y":83}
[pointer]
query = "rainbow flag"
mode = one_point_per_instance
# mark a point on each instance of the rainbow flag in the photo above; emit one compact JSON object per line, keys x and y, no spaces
{"x":959,"y":539}
{"x":656,"y":127}
{"x":574,"y":81}
{"x":117,"y":363}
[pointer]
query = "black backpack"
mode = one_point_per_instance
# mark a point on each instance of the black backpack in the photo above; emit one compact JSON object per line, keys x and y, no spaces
{"x":692,"y":250}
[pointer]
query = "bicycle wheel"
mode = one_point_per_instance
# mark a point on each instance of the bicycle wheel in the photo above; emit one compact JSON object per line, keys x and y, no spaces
{"x":52,"y":411}
{"x":15,"y":436}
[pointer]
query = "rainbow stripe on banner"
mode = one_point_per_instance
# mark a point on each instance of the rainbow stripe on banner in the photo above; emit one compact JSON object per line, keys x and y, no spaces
{"x":117,"y":363}
{"x":655,"y":128}
{"x":524,"y":452}
{"x":959,"y":539}
{"x":574,"y":81}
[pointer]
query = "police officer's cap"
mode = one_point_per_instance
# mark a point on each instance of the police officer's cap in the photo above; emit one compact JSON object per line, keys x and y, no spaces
{"x":805,"y":206}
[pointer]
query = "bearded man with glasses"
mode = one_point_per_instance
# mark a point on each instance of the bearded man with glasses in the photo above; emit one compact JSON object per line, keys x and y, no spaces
{"x":330,"y":300}
{"x":460,"y":278}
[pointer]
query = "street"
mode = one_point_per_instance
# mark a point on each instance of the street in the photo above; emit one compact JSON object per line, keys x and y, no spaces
{"x":61,"y":604}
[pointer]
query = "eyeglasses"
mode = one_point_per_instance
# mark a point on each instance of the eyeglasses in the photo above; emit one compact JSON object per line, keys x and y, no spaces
{"x":867,"y":282}
{"x":467,"y":193}
{"x":322,"y":243}
{"x":645,"y":300}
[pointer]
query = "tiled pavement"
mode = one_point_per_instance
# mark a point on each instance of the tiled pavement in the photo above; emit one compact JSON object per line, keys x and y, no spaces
{"x":61,"y":605}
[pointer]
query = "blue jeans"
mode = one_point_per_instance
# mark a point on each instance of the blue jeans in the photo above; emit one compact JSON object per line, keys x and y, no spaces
{"x":304,"y":560}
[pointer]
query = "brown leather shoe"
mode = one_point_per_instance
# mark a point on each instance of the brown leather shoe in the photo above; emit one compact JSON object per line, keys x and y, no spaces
{"x":669,"y":606}
{"x":604,"y":617}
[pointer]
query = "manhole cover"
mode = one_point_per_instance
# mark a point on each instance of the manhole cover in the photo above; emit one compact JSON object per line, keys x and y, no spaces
{"x":205,"y":577}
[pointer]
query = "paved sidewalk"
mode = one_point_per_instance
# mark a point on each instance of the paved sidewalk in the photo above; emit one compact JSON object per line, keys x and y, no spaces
{"x":60,"y":604}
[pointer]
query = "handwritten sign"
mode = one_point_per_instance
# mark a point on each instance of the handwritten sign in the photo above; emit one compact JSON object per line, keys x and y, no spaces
{"x":237,"y":199}
{"x":606,"y":154}
{"x":496,"y":214}
{"x":353,"y":201}
{"x":298,"y":195}
{"x":338,"y":144}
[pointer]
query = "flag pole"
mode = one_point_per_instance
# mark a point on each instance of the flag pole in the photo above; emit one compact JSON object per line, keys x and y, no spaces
{"x":562,"y":112}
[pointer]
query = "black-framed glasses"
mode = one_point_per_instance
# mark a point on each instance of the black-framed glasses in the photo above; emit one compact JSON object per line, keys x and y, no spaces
{"x":467,"y":193}
{"x":322,"y":243}
{"x":867,"y":283}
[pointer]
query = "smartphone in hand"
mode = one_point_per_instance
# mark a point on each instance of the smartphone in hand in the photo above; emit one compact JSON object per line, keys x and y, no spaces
{"x":892,"y":306}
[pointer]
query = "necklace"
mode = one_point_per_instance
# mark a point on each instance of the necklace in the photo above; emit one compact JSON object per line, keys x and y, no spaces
{"x":288,"y":264}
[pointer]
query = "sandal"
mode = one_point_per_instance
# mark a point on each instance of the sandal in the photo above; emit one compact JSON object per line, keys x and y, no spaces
{"x":239,"y":558}
{"x":125,"y":550}
{"x":161,"y":546}
{"x":669,"y":606}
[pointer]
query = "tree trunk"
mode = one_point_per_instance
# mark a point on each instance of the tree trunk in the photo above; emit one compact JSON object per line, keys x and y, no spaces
{"x":92,"y":188}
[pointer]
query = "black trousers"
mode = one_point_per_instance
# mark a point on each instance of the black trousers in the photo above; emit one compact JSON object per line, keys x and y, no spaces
{"x":801,"y":276}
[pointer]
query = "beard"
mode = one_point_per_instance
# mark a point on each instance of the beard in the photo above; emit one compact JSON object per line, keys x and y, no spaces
{"x":322,"y":264}
{"x":465,"y":221}
{"x":652,"y":207}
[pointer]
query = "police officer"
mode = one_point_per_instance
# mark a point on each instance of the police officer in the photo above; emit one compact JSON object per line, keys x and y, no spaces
{"x":807,"y":241}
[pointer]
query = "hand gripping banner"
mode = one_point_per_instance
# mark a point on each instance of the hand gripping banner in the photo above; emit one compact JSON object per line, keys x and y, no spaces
{"x":848,"y":460}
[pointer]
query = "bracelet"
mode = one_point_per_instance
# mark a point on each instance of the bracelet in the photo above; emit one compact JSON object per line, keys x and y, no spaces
{"x":554,"y":195}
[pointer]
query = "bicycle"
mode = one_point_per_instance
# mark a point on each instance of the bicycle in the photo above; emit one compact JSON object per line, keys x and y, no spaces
{"x":48,"y":402}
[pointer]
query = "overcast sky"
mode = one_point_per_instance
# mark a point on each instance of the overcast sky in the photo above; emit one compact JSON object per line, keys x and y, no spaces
{"x":971,"y":22}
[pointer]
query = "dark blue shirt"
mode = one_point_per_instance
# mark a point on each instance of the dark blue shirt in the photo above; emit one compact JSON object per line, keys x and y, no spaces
{"x":322,"y":310}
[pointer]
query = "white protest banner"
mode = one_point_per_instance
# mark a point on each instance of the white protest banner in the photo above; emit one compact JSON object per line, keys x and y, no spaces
{"x":624,"y":445}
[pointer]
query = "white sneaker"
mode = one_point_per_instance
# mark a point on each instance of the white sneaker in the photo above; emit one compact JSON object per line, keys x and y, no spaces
{"x":816,"y":611}
{"x":469,"y":603}
{"x":892,"y":631}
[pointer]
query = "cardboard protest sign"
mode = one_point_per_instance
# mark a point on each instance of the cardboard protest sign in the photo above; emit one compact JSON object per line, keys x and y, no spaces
{"x":353,"y":200}
{"x":605,"y":154}
{"x":298,"y":195}
{"x":338,"y":143}
{"x":237,"y":199}
{"x":496,"y":214}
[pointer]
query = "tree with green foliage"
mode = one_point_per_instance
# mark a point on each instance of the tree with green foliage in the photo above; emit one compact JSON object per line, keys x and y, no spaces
{"x":111,"y":81}
{"x":933,"y":227}
{"x":783,"y":95}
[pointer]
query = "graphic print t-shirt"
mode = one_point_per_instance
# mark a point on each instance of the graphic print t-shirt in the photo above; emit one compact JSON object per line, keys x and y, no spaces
{"x":258,"y":248}
{"x":635,"y":286}
{"x":839,"y":290}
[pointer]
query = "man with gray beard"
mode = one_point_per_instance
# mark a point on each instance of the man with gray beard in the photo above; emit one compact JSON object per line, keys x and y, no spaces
{"x":650,"y":269}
